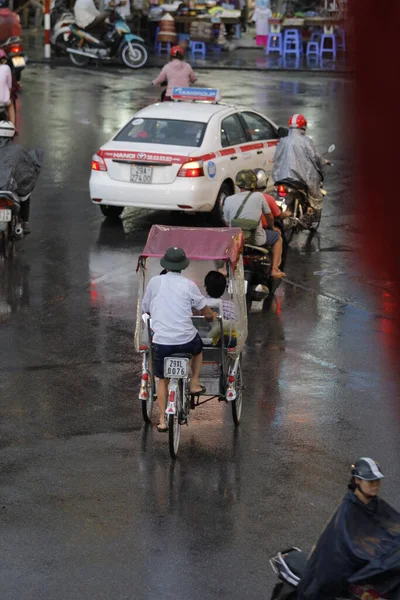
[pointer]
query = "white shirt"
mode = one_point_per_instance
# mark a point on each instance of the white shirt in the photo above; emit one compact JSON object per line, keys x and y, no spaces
{"x":169,"y":299}
{"x":256,"y":205}
{"x":85,"y":12}
{"x":124,"y":11}
{"x":5,"y":84}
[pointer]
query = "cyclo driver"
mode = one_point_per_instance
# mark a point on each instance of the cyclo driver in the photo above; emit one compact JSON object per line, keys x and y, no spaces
{"x":169,"y":299}
{"x":247,"y":207}
{"x":297,"y":158}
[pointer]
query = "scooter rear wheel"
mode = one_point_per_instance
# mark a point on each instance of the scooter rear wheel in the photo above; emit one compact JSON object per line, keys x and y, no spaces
{"x":77,"y":59}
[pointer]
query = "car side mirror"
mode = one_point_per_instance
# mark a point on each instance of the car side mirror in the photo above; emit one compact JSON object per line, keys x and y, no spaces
{"x":283,"y":132}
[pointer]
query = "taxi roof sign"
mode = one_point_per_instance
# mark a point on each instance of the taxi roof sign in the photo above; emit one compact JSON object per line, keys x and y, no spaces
{"x":196,"y":94}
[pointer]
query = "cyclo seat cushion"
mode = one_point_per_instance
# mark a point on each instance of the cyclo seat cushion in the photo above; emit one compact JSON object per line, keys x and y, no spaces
{"x":296,"y":561}
{"x":181,"y":355}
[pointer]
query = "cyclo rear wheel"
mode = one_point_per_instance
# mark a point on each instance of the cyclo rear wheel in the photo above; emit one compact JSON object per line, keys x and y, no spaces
{"x":174,"y":422}
{"x":238,"y":402}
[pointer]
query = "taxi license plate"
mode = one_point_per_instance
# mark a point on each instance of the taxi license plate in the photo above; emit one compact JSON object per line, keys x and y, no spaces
{"x":5,"y":215}
{"x":18,"y":61}
{"x":176,"y":367}
{"x":141,"y":174}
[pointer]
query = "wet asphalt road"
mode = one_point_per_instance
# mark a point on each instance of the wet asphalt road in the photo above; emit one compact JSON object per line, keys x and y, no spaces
{"x":91,"y":506}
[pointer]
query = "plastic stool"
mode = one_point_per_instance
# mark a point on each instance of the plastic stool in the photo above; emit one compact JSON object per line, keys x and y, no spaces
{"x":341,"y":39}
{"x":156,"y":39}
{"x":238,"y":31}
{"x":312,"y":49}
{"x":275,"y":43}
{"x":324,"y":49}
{"x":183,"y":37}
{"x":292,"y":43}
{"x":198,"y":48}
{"x":163,"y":48}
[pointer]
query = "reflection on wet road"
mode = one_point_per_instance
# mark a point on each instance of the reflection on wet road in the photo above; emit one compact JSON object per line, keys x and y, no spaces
{"x":91,"y":504}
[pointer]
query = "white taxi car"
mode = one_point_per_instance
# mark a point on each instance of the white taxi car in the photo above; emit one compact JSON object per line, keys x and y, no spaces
{"x":181,"y":155}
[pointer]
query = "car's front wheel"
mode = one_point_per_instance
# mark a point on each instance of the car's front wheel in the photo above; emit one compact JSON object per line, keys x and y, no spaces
{"x":112,"y":212}
{"x":217,"y":211}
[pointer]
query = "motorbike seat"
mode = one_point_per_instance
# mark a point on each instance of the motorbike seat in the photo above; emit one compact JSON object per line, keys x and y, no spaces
{"x":297,"y":185}
{"x":259,"y":249}
{"x":296,"y":562}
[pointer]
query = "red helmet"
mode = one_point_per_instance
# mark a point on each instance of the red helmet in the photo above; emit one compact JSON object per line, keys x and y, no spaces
{"x":175,"y":50}
{"x":297,"y":122}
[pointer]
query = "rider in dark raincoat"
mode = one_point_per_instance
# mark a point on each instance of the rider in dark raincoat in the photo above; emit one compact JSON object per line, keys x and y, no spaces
{"x":360,"y":545}
{"x":19,"y":168}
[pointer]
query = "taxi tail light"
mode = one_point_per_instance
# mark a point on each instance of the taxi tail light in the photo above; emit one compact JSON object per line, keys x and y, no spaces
{"x":98,"y":163}
{"x":192,"y":169}
{"x":282,"y":191}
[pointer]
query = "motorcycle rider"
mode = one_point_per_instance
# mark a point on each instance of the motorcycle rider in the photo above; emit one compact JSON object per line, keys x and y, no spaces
{"x":253,"y":209}
{"x":277,"y":213}
{"x":297,"y":158}
{"x":19,"y":169}
{"x":360,"y":544}
{"x":177,"y":73}
{"x":6,"y":86}
{"x":89,"y":18}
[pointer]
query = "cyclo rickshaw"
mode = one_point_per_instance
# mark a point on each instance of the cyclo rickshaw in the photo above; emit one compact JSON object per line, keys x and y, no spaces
{"x":209,"y":249}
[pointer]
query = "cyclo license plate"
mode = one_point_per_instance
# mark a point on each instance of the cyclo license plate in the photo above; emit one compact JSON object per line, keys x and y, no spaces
{"x":140,"y":174}
{"x":5,"y":215}
{"x":176,"y":367}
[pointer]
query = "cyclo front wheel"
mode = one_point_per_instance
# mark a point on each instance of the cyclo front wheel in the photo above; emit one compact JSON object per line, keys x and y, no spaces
{"x":147,"y":405}
{"x":237,"y":403}
{"x":174,"y":422}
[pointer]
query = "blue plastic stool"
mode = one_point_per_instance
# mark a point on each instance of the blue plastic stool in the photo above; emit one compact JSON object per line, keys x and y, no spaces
{"x":328,"y":49}
{"x":163,"y":48}
{"x":156,"y":40}
{"x":183,"y":37}
{"x":292,"y":42}
{"x":341,"y":39}
{"x":312,"y":49}
{"x":238,"y":31}
{"x":275,"y":43}
{"x":198,"y":48}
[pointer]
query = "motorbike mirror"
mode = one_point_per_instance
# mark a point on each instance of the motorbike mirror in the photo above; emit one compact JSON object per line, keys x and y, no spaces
{"x":332,"y":148}
{"x":283,"y":132}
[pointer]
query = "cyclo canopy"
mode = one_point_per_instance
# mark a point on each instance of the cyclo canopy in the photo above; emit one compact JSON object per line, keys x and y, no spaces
{"x":208,"y":249}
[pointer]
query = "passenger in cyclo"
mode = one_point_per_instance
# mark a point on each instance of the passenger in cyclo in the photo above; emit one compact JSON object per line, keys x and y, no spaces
{"x":245,"y":210}
{"x":215,"y":286}
{"x":169,"y":299}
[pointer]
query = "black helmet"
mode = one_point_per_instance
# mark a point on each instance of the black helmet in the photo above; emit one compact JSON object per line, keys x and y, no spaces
{"x":366,"y":469}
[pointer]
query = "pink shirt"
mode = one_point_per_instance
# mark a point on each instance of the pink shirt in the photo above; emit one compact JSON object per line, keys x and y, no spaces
{"x":5,"y":84}
{"x":177,"y":73}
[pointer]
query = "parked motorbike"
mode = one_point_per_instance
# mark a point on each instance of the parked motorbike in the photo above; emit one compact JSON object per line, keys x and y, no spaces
{"x":118,"y":43}
{"x":11,"y":224}
{"x":292,"y":195}
{"x":290,"y":565}
{"x":14,"y":49}
{"x":60,"y":21}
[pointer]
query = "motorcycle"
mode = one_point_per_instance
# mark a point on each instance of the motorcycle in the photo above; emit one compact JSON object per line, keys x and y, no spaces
{"x":292,"y":195}
{"x":14,"y":49}
{"x":60,"y":21}
{"x":290,"y":565}
{"x":118,"y":43}
{"x":257,"y":274}
{"x":11,"y":224}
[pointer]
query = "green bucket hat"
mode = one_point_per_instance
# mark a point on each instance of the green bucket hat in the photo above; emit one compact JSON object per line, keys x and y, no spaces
{"x":175,"y":259}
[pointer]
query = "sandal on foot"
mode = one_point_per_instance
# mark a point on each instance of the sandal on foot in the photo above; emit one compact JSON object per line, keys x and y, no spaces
{"x":201,"y":390}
